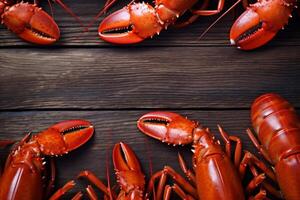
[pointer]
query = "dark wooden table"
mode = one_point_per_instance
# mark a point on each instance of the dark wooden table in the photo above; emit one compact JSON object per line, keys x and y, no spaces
{"x":83,"y":77}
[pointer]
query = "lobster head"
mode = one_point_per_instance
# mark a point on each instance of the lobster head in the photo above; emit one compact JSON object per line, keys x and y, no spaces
{"x":64,"y":136}
{"x":30,"y":23}
{"x":167,"y":127}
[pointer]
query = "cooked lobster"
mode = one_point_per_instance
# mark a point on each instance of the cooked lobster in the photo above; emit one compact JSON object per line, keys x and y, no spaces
{"x":138,"y":21}
{"x":278,"y":129}
{"x":216,"y":177}
{"x":25,"y":174}
{"x":129,"y":174}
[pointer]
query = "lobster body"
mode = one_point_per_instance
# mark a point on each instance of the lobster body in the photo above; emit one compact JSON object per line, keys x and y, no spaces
{"x":278,"y":128}
{"x":216,"y":176}
{"x":260,"y":23}
{"x":25,"y":174}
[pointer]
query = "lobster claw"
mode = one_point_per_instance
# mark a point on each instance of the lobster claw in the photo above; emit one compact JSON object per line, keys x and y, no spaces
{"x":31,"y":23}
{"x":168,"y":127}
{"x":248,"y":32}
{"x":128,"y":170}
{"x":260,"y":23}
{"x":131,"y":24}
{"x":64,"y":136}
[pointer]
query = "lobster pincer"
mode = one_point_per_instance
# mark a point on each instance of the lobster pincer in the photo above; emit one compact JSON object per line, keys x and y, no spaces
{"x":26,"y":175}
{"x":260,"y":23}
{"x":129,"y":173}
{"x":29,"y":22}
{"x":131,"y":24}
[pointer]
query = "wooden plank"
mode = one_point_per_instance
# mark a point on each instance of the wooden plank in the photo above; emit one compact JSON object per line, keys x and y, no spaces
{"x":112,"y":127}
{"x":73,"y":34}
{"x":138,"y":78}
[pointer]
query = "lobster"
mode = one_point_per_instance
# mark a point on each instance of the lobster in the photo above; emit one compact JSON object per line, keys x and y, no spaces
{"x":260,"y":23}
{"x":30,"y":22}
{"x":216,"y":177}
{"x":278,"y":129}
{"x":25,"y":175}
{"x":138,"y":21}
{"x":129,"y":176}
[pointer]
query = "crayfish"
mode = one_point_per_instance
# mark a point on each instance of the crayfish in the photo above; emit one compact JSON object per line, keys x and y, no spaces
{"x":129,"y":176}
{"x":25,"y":174}
{"x":214,"y":176}
{"x":278,"y":129}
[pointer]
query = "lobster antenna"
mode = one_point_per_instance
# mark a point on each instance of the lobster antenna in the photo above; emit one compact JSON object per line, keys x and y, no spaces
{"x":70,"y":12}
{"x":107,"y":172}
{"x":107,"y":5}
{"x":218,"y":19}
{"x":51,"y":8}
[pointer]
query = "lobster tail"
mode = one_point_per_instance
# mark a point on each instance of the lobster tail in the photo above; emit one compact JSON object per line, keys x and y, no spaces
{"x":278,"y":129}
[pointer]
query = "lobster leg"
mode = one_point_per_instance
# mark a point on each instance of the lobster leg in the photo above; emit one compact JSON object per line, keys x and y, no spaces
{"x":52,"y":178}
{"x":238,"y":148}
{"x":258,"y":146}
{"x":270,"y":188}
{"x":60,"y":192}
{"x":91,"y":193}
{"x":163,"y":174}
{"x":250,"y":159}
{"x":188,"y":173}
{"x":96,"y":181}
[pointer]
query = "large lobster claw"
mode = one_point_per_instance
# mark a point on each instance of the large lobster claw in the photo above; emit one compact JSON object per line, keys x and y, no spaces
{"x":129,"y":173}
{"x":31,"y":23}
{"x":64,"y":136}
{"x":260,"y":23}
{"x":131,"y":24}
{"x":168,"y":127}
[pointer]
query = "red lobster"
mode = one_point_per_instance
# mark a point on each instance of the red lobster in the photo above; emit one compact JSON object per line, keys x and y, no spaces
{"x":260,"y":23}
{"x":129,"y":176}
{"x":216,"y":177}
{"x":138,"y":21}
{"x":30,"y":22}
{"x":24,"y":175}
{"x":278,"y":129}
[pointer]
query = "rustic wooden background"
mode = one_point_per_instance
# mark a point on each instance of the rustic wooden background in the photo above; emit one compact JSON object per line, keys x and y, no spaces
{"x":84,"y":77}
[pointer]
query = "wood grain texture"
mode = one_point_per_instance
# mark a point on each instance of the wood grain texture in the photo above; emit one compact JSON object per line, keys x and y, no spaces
{"x":145,"y":77}
{"x":115,"y":126}
{"x":74,"y":35}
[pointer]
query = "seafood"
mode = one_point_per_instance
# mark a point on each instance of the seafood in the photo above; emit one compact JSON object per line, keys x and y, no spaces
{"x":30,"y":22}
{"x":138,"y":21}
{"x":216,"y":177}
{"x":278,"y":129}
{"x":129,"y":176}
{"x":25,"y":174}
{"x":260,"y":23}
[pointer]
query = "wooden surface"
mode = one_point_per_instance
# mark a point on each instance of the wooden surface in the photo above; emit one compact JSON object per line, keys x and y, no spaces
{"x":84,"y":77}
